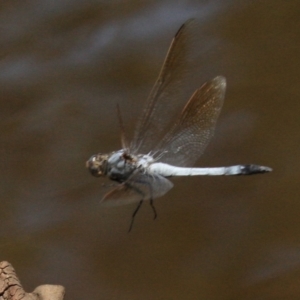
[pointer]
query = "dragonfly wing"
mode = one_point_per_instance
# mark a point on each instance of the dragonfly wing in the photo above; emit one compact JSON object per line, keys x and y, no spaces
{"x":167,"y":95}
{"x":139,"y":186}
{"x":188,"y":138}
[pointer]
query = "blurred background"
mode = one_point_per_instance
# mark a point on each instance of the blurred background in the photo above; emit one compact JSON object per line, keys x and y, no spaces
{"x":64,"y":66}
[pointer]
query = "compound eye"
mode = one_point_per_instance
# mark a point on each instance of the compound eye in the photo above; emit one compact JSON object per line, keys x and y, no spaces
{"x":95,"y":165}
{"x":96,"y":172}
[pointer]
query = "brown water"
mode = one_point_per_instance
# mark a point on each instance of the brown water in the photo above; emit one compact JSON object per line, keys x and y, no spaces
{"x":64,"y":66}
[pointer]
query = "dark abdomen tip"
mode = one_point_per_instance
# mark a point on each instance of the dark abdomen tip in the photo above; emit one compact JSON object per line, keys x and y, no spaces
{"x":254,"y":169}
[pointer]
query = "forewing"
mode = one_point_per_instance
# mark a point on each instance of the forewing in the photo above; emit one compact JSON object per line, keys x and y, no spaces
{"x":188,"y":138}
{"x":139,"y":186}
{"x":167,"y":94}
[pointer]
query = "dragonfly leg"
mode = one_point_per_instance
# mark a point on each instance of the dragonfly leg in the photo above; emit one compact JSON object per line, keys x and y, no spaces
{"x":153,"y":208}
{"x":152,"y":202}
{"x":134,"y":213}
{"x":141,"y":201}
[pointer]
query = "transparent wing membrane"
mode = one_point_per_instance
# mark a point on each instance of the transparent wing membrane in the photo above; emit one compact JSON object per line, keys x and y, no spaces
{"x":139,"y":186}
{"x":167,"y":95}
{"x":188,"y":138}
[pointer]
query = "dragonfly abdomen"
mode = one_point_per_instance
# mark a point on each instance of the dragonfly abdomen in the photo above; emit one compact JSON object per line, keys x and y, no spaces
{"x":169,"y":170}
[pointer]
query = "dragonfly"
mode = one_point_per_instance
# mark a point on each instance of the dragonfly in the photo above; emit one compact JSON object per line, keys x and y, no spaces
{"x":161,"y":149}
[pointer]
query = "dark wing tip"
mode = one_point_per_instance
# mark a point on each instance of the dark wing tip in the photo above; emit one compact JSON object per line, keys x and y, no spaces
{"x":185,"y":24}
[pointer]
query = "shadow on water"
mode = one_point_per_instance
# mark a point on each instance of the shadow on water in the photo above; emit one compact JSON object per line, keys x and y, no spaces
{"x":64,"y":66}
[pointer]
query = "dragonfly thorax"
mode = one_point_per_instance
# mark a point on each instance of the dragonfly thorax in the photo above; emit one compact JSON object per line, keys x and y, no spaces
{"x":121,"y":165}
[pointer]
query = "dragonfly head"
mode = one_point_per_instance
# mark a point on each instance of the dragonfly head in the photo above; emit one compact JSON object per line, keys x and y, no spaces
{"x":97,"y":164}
